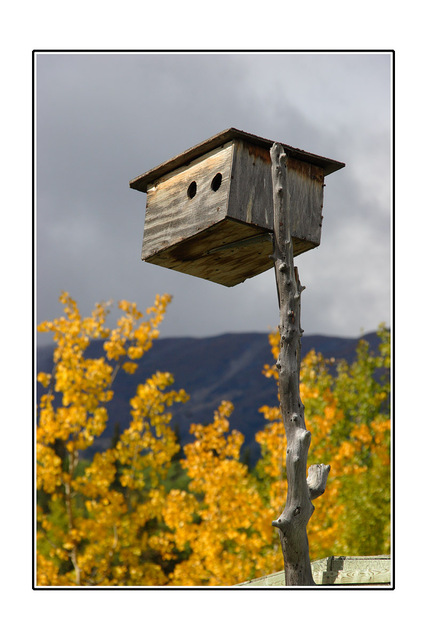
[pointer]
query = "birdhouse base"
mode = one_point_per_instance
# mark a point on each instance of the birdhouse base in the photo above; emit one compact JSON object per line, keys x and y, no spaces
{"x":227,"y":253}
{"x":220,"y":254}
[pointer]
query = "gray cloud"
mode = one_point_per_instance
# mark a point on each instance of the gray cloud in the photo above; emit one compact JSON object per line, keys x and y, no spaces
{"x":103,"y":119}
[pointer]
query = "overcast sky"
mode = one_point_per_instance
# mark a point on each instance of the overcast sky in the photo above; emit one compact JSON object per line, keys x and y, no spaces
{"x":103,"y":119}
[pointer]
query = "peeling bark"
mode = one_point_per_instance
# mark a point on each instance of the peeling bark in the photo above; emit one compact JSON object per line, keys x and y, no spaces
{"x":292,"y":523}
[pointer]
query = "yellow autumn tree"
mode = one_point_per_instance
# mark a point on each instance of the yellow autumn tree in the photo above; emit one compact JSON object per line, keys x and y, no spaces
{"x":221,"y":522}
{"x":95,"y":518}
{"x":348,"y":415}
{"x":114,"y":519}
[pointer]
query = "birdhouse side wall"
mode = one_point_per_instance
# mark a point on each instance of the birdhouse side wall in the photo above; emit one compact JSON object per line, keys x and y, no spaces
{"x":187,"y":201}
{"x":251,"y":194}
{"x":306,"y":195}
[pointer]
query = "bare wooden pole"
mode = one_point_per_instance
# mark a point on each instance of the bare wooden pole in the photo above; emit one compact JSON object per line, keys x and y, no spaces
{"x":292,"y":523}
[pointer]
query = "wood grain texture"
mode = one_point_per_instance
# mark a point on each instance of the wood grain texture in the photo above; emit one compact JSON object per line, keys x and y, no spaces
{"x":250,"y":195}
{"x":141,"y":182}
{"x":190,"y":211}
{"x":173,"y":216}
{"x":292,"y":523}
{"x":338,"y":570}
{"x":224,"y":253}
{"x":305,"y":184}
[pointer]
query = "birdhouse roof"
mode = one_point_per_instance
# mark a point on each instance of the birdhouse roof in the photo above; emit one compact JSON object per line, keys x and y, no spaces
{"x":141,"y":182}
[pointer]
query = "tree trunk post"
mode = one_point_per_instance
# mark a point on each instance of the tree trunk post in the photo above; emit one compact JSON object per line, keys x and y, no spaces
{"x":292,"y":523}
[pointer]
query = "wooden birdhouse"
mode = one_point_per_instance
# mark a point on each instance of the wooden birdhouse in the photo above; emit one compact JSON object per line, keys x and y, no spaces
{"x":209,"y":211}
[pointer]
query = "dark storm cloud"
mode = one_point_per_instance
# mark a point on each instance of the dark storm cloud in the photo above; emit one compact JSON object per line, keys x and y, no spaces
{"x":102,"y":119}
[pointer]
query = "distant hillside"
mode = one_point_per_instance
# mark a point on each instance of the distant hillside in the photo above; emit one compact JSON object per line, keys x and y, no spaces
{"x":225,"y":367}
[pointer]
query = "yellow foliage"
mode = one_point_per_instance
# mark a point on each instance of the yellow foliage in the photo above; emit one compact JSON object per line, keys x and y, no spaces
{"x":227,"y":530}
{"x":350,"y":433}
{"x":94,"y":534}
{"x":115,"y":520}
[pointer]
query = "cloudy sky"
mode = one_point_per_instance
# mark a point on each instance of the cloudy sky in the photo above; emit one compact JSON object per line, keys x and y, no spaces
{"x":103,"y":119}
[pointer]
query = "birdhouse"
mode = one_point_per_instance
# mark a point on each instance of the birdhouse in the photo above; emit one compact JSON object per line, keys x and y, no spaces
{"x":209,"y":211}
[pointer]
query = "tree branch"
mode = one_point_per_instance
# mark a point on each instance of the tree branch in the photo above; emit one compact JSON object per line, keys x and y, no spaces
{"x":316,"y":479}
{"x":292,"y":523}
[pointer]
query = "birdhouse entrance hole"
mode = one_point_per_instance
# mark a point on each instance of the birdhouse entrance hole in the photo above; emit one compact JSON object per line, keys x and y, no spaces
{"x":192,"y":190}
{"x":216,"y":182}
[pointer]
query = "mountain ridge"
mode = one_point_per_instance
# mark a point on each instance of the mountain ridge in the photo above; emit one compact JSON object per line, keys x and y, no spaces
{"x":224,"y":367}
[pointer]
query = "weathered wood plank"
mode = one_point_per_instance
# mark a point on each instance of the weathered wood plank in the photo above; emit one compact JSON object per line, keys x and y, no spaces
{"x":306,"y":196}
{"x":251,"y":198}
{"x":337,"y":570}
{"x":353,"y":570}
{"x":184,"y":214}
{"x":192,"y":197}
{"x":182,"y":204}
{"x":224,"y":253}
{"x":251,"y":194}
{"x":141,"y":182}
